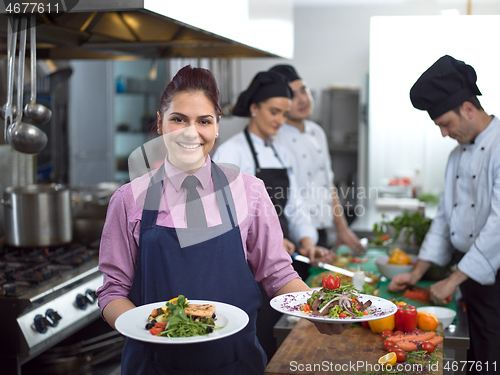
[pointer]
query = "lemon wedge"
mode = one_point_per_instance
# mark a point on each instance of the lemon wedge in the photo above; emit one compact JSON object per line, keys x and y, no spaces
{"x":388,"y":359}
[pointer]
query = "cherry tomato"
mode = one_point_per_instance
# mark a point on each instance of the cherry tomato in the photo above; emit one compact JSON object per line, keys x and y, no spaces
{"x":400,"y":353}
{"x":388,"y":344}
{"x":156,"y":330}
{"x":418,"y":330}
{"x":398,"y":333}
{"x":427,"y":346}
{"x":330,"y":283}
{"x":161,"y":325}
{"x":365,"y":324}
{"x":336,"y":283}
{"x":386,"y":333}
{"x":323,"y":282}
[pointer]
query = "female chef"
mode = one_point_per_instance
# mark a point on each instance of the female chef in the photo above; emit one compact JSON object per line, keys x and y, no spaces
{"x":267,"y":101}
{"x":151,"y":251}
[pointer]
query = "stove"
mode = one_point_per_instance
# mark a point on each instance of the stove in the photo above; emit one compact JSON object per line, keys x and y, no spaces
{"x":46,"y":295}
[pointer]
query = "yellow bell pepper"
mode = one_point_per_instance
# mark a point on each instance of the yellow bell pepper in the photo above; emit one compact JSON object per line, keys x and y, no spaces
{"x":399,"y":257}
{"x":379,"y":325}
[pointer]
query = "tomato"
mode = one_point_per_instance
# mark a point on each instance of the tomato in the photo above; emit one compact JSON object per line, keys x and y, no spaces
{"x":161,"y":325}
{"x":386,"y":333}
{"x":156,"y":330}
{"x":323,"y":282}
{"x":427,"y":346}
{"x":365,"y":324}
{"x":418,"y":330}
{"x":388,"y":344}
{"x":400,"y":353}
{"x":332,"y":283}
{"x":336,"y":283}
{"x":398,"y":333}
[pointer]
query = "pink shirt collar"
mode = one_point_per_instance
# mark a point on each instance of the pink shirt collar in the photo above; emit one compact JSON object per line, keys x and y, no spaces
{"x":175,"y":176}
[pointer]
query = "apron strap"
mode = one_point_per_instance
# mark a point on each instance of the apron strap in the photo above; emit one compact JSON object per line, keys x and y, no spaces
{"x":252,"y":149}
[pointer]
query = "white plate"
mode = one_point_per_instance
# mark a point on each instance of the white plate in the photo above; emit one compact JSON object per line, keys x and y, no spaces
{"x":132,"y":323}
{"x":290,"y":304}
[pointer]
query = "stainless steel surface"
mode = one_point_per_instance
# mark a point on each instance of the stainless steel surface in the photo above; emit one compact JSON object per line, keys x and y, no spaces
{"x":328,"y":267}
{"x":37,"y":114}
{"x":46,"y":296}
{"x":24,"y":137}
{"x":120,"y":29}
{"x":38,"y":215}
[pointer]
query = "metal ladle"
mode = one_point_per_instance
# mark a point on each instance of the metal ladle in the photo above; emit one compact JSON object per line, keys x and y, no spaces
{"x":7,"y":110}
{"x":24,"y":137}
{"x":38,"y":114}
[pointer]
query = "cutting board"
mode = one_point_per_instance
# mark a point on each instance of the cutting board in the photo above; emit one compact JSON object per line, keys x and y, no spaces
{"x":305,"y":347}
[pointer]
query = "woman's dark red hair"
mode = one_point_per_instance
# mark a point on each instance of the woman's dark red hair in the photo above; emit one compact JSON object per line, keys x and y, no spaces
{"x":191,"y":79}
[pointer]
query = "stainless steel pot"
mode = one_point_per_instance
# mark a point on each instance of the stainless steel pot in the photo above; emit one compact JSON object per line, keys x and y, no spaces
{"x":37,"y":215}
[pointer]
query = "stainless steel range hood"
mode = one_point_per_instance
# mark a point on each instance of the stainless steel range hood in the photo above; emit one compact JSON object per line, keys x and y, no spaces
{"x":129,"y":29}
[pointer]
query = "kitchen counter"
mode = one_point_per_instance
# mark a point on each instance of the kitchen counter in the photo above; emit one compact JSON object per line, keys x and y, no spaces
{"x":306,"y":351}
{"x":456,"y":336}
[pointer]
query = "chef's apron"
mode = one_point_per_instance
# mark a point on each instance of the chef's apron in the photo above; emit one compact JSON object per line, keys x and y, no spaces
{"x":276,"y":181}
{"x":215,"y":270}
{"x":483,"y":307}
{"x":277,"y":184}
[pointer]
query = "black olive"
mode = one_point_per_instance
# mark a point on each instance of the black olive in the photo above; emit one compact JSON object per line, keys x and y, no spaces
{"x":151,"y":324}
{"x":210,"y":329}
{"x":213,"y":316}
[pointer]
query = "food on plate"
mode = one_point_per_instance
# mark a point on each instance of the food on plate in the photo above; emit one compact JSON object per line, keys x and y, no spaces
{"x":368,"y":288}
{"x":399,"y":257}
{"x":178,"y":318}
{"x":336,"y":301}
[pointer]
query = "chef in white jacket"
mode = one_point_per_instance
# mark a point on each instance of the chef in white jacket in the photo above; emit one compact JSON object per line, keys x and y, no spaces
{"x":467,"y":225}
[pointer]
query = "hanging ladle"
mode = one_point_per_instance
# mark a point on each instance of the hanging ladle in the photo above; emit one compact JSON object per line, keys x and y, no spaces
{"x":24,"y":137}
{"x":7,"y":110}
{"x":37,"y":114}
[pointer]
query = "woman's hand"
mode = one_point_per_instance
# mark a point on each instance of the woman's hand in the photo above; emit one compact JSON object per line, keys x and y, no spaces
{"x":400,"y":282}
{"x":346,"y":236}
{"x":442,"y":291}
{"x":289,"y":246}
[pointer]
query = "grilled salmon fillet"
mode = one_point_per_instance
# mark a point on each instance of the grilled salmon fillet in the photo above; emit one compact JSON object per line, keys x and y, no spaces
{"x":204,"y":311}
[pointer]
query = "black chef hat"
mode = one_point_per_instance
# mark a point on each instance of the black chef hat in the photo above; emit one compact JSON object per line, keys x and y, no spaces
{"x":287,"y":70}
{"x":444,"y":86}
{"x":264,"y":85}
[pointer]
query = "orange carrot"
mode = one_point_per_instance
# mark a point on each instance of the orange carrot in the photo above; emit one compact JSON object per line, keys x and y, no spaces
{"x":420,"y":336}
{"x":154,"y":313}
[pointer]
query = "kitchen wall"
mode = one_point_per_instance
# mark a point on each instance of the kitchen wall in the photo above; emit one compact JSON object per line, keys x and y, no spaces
{"x":332,"y":48}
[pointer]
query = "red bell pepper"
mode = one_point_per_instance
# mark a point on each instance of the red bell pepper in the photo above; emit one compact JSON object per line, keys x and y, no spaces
{"x":406,"y":318}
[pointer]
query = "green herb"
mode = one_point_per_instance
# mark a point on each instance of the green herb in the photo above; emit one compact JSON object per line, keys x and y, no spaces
{"x":414,"y":225}
{"x":181,"y":325}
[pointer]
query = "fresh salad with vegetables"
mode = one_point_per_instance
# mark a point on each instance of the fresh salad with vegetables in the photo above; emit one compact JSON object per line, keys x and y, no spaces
{"x":178,"y":318}
{"x":336,"y":301}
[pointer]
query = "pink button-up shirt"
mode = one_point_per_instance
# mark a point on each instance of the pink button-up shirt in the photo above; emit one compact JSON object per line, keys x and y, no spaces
{"x":259,"y":226}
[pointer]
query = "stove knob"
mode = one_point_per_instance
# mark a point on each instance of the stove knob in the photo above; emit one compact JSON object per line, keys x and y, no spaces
{"x":53,"y":317}
{"x":41,"y":323}
{"x":91,"y":296}
{"x":81,"y":301}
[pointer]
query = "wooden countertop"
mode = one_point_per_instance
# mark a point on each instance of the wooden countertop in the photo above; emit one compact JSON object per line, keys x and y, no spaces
{"x":306,"y":351}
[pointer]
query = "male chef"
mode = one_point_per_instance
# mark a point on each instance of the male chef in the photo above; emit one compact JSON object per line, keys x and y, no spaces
{"x":467,"y":225}
{"x":312,"y":164}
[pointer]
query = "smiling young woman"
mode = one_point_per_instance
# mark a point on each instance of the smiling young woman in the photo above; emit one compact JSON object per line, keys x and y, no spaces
{"x":149,"y":253}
